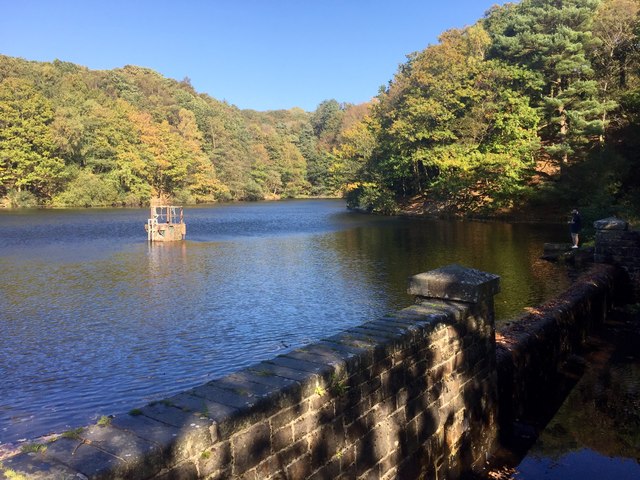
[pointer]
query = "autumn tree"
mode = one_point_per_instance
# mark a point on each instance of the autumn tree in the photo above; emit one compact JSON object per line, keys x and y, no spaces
{"x":455,"y":123}
{"x":350,"y":158}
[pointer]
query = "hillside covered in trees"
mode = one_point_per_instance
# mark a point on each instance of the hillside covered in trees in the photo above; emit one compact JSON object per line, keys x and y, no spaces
{"x":535,"y":105}
{"x":70,"y":136}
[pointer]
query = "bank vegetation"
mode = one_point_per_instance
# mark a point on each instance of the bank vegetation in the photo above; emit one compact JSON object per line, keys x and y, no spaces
{"x":535,"y":107}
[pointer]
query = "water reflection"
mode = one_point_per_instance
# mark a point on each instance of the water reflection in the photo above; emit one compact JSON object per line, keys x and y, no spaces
{"x":393,"y":251}
{"x":596,"y":432}
{"x":95,"y":321}
{"x":582,"y":464}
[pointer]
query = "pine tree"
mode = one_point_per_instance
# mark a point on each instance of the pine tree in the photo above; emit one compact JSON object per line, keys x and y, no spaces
{"x":552,"y":38}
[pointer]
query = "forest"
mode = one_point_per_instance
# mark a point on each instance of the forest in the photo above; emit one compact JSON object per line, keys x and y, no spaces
{"x":535,"y":107}
{"x":70,"y":136}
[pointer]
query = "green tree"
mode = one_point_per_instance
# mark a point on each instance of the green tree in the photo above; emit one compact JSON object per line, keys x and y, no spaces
{"x":552,"y":38}
{"x":453,"y":121}
{"x":265,"y":174}
{"x":317,"y":159}
{"x":89,"y":190}
{"x":326,"y":121}
{"x":27,"y":158}
{"x":614,"y":54}
{"x":167,"y":159}
{"x":418,"y":112}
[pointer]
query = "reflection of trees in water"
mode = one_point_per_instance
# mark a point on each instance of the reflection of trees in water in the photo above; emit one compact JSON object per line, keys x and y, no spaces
{"x":391,"y":251}
{"x":602,"y":413}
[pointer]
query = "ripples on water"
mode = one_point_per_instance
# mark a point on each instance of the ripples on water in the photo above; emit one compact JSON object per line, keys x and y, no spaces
{"x":95,"y":321}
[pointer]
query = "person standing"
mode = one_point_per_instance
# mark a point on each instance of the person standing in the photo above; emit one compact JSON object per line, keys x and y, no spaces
{"x":575,"y":227}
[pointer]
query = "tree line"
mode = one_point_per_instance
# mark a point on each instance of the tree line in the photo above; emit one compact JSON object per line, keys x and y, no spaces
{"x":70,"y":136}
{"x":536,"y":104}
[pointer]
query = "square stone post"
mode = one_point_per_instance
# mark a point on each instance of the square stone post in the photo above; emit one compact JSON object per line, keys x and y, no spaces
{"x":617,"y":245}
{"x":471,"y":292}
{"x":611,"y":236}
{"x":456,"y":283}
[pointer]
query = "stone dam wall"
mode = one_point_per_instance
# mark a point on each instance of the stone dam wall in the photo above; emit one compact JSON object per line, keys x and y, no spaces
{"x":532,"y":351}
{"x":406,"y":395}
{"x":617,"y":244}
{"x":422,"y":393}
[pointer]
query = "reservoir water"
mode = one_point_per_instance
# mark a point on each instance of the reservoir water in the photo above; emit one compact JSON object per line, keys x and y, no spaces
{"x":95,"y":321}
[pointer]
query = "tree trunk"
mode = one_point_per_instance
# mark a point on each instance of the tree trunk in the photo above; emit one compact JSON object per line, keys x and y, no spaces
{"x":604,"y":113}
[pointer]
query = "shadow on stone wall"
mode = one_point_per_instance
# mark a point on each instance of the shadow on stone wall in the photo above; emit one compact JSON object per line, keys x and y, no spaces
{"x":402,"y":396}
{"x":410,"y":395}
{"x":536,"y":356}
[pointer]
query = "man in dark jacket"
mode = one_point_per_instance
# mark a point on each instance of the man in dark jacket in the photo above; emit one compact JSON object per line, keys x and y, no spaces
{"x":576,"y":226}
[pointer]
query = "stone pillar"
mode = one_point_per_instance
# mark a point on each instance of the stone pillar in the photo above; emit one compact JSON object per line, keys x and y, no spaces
{"x":617,"y":245}
{"x":457,"y":283}
{"x":471,"y":291}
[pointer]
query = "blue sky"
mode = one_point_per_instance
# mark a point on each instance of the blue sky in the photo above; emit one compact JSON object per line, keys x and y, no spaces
{"x":259,"y":54}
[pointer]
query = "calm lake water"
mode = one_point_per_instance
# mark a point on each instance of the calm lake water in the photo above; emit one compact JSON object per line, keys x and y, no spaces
{"x":95,"y":321}
{"x":595,"y":434}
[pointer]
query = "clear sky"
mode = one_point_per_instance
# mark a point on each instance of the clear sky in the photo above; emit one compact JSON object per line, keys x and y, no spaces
{"x":259,"y":54}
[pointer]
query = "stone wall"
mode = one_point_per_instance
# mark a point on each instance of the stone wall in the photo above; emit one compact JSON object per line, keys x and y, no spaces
{"x":410,"y":395}
{"x":617,"y":245}
{"x":531,"y":352}
{"x":417,"y":394}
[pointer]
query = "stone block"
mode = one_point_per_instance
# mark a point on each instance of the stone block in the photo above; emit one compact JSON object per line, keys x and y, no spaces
{"x":271,"y":469}
{"x":292,"y":452}
{"x":182,"y":471}
{"x":386,"y":324}
{"x":287,"y":416}
{"x":239,"y":384}
{"x":357,"y":357}
{"x":86,"y":459}
{"x":271,"y":369}
{"x":330,"y":470}
{"x":325,"y":444}
{"x":377,"y":334}
{"x":366,"y":350}
{"x":216,"y":459}
{"x":407,"y":317}
{"x":250,"y":447}
{"x":235,"y":398}
{"x":248,"y":475}
{"x":35,"y":466}
{"x":274,"y":383}
{"x":363,"y":339}
{"x":388,"y":464}
{"x":321,"y":356}
{"x":282,"y":438}
{"x":393,"y":380}
{"x":194,"y":432}
{"x":143,"y":458}
{"x":313,"y":370}
{"x":611,"y":223}
{"x":371,"y":448}
{"x":455,"y":282}
{"x":301,"y":468}
{"x":436,"y":312}
{"x":201,"y":406}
